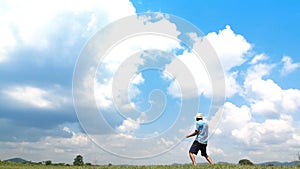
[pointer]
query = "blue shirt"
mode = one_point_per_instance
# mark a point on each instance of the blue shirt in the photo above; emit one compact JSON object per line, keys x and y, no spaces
{"x":202,"y":135}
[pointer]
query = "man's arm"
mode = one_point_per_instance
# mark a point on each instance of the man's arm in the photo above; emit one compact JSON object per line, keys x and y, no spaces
{"x":192,"y":134}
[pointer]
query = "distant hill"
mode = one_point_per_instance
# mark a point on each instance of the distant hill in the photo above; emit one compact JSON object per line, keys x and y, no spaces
{"x":222,"y":162}
{"x":16,"y":160}
{"x":276,"y":163}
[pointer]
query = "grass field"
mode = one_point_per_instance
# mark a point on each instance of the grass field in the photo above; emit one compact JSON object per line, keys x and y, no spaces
{"x":216,"y":166}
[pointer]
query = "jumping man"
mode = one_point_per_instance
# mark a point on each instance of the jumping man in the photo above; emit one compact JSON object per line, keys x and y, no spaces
{"x":200,"y":142}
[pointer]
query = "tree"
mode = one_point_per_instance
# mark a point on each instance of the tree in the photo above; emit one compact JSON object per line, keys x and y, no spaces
{"x":245,"y":162}
{"x":61,"y":164}
{"x":48,"y":162}
{"x":78,"y":160}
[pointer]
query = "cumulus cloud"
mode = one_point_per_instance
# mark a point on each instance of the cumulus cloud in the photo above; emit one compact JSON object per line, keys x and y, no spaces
{"x":191,"y":79}
{"x":138,"y":79}
{"x":288,"y":65}
{"x":230,"y":47}
{"x":164,"y":142}
{"x":7,"y":41}
{"x":119,"y":71}
{"x":247,"y":131}
{"x":255,"y":133}
{"x":258,"y":58}
{"x":294,"y":140}
{"x":291,"y":100}
{"x":266,"y":119}
{"x":103,"y":94}
{"x":128,"y":125}
{"x":59,"y":149}
{"x":75,"y":139}
{"x":122,"y":63}
{"x":265,"y":96}
{"x":215,"y":151}
{"x":36,"y":97}
{"x":232,"y":86}
{"x":229,"y":118}
{"x":32,"y":37}
{"x":32,"y":25}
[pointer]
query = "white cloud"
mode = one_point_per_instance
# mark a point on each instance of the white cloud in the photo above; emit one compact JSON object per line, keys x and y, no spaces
{"x":232,"y":86}
{"x":133,"y":89}
{"x":288,"y":65}
{"x":218,"y":131}
{"x":265,"y":133}
{"x":290,"y":100}
{"x":174,"y":89}
{"x":236,"y":116}
{"x":265,"y":96}
{"x":138,"y":79}
{"x":231,"y":50}
{"x":76,"y":139}
{"x":257,"y":72}
{"x":258,"y":58}
{"x":215,"y":151}
{"x":7,"y":41}
{"x":294,"y":140}
{"x":66,"y":129}
{"x":59,"y":149}
{"x":36,"y":97}
{"x":92,"y":22}
{"x":130,"y":46}
{"x":103,"y":94}
{"x":266,"y":120}
{"x":164,"y":142}
{"x":230,"y":47}
{"x":33,"y":23}
{"x":122,"y":65}
{"x":190,"y":76}
{"x":129,"y":125}
{"x":226,"y":120}
{"x":244,"y":131}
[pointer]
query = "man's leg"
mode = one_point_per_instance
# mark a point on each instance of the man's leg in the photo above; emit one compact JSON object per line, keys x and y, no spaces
{"x":192,"y":158}
{"x":204,"y":154}
{"x":209,"y":159}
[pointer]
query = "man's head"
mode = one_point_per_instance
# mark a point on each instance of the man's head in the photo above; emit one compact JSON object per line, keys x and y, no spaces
{"x":199,"y":116}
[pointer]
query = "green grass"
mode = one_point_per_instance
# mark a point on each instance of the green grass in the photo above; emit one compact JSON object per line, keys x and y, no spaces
{"x":216,"y":166}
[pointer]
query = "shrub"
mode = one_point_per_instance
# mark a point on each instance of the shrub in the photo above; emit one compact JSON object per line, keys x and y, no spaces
{"x":78,"y":161}
{"x":245,"y":162}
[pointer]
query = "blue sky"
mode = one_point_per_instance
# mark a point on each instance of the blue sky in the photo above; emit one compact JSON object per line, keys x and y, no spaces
{"x":256,"y":42}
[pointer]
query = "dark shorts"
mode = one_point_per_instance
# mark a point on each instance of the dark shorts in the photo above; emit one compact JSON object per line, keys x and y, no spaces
{"x":196,"y":146}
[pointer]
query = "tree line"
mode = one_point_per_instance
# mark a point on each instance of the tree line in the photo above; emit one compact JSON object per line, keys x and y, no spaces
{"x":78,"y":161}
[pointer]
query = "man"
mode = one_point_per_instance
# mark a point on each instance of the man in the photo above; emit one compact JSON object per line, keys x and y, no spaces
{"x":200,"y":142}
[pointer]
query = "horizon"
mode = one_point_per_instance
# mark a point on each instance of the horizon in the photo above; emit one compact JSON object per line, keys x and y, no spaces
{"x":120,"y":82}
{"x":201,"y":163}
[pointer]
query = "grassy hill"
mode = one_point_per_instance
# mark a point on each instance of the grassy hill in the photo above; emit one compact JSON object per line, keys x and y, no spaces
{"x":16,"y":160}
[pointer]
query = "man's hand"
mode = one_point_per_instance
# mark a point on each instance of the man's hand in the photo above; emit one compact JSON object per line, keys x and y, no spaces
{"x":193,"y":134}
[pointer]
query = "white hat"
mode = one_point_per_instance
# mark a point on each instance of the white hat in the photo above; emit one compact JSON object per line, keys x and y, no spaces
{"x":199,"y":116}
